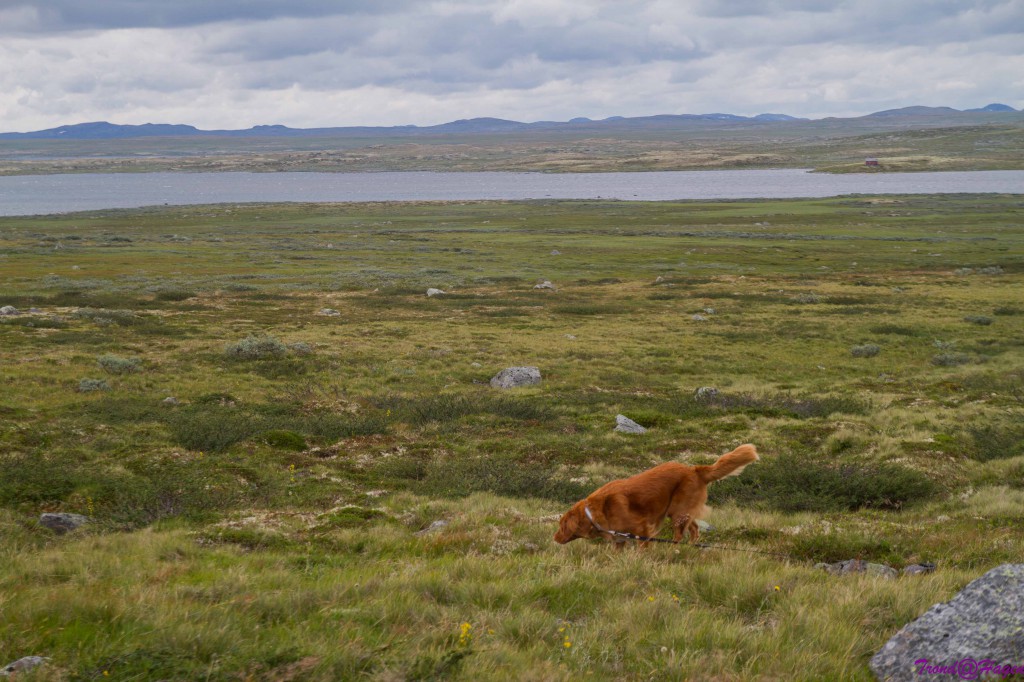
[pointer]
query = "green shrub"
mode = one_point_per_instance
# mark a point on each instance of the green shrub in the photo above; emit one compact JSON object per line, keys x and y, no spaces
{"x":215,"y":427}
{"x":833,"y":547}
{"x":503,"y":475}
{"x":256,"y":348}
{"x":795,"y":483}
{"x":447,"y":407}
{"x":174,"y":295}
{"x":997,"y":440}
{"x":212,"y":428}
{"x":770,"y":405}
{"x":112,"y":364}
{"x":895,"y":329}
{"x":286,"y":440}
{"x":350,"y":517}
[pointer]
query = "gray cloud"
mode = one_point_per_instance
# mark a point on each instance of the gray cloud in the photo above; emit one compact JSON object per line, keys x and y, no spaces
{"x":232,"y":63}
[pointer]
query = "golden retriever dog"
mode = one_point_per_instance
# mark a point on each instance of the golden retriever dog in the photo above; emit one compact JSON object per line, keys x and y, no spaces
{"x":639,"y":504}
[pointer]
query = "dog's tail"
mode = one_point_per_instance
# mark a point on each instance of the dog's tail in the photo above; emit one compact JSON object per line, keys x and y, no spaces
{"x":729,"y":464}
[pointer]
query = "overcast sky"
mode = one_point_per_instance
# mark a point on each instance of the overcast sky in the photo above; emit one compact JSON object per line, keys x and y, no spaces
{"x":307,"y":63}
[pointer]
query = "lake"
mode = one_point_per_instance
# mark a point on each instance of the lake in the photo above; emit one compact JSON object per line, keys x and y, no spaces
{"x":41,"y":194}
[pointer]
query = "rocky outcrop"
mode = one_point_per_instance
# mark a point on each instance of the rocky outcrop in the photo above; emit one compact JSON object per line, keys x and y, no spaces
{"x":981,"y":626}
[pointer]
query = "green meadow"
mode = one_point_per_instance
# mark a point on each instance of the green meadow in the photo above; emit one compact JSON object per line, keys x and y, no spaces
{"x":343,"y":496}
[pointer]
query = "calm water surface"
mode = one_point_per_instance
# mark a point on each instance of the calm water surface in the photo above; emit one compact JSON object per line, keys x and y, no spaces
{"x":39,"y":194}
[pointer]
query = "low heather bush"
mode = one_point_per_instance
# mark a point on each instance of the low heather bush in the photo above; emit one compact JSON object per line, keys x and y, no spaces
{"x":868,"y":350}
{"x":90,"y":385}
{"x":256,"y":348}
{"x":112,"y":364}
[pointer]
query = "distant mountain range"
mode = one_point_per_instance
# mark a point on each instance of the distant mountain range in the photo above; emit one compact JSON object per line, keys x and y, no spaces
{"x":105,"y":131}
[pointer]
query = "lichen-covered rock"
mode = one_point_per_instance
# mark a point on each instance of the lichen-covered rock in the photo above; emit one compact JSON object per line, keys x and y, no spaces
{"x":705,"y":393}
{"x":63,"y":522}
{"x":435,"y":292}
{"x":514,"y":377}
{"x":544,"y":285}
{"x":918,"y":569}
{"x":8,"y":310}
{"x":23,"y":665}
{"x":984,"y":622}
{"x":624,"y":424}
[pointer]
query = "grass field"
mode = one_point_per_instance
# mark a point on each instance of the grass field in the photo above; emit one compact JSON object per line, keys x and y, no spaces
{"x":277,"y":520}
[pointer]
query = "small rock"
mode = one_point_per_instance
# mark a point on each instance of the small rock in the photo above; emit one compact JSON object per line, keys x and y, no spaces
{"x":571,"y":337}
{"x":169,"y":401}
{"x":556,"y":252}
{"x":624,"y":424}
{"x":659,"y":279}
{"x":514,"y":377}
{"x":35,"y":310}
{"x":709,"y":311}
{"x":919,"y":569}
{"x":941,"y":518}
{"x":704,"y":527}
{"x":882,"y":571}
{"x":23,"y":664}
{"x":851,"y":566}
{"x":63,"y":522}
{"x":699,"y":318}
{"x":982,"y":623}
{"x":435,"y":526}
{"x":531,"y":546}
{"x":544,"y":285}
{"x":328,"y":312}
{"x":435,"y":292}
{"x":475,"y":365}
{"x":705,"y":394}
{"x":8,"y":310}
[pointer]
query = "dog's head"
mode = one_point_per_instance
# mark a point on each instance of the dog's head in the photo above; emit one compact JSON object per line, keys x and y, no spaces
{"x":575,"y":525}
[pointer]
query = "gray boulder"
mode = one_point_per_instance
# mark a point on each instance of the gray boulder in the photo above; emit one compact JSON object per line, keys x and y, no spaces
{"x":983,"y":623}
{"x":23,"y":665}
{"x":169,"y":401}
{"x":433,"y":527}
{"x":544,"y":285}
{"x":624,"y":424}
{"x":63,"y":522}
{"x":8,"y":310}
{"x":514,"y":377}
{"x":329,"y":312}
{"x":435,"y":292}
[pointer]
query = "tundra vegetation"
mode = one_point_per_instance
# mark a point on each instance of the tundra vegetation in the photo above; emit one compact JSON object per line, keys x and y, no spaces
{"x":342,"y":496}
{"x":900,"y":144}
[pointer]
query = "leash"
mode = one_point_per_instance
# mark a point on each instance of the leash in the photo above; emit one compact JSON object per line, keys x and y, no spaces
{"x":622,"y":534}
{"x":701,"y":545}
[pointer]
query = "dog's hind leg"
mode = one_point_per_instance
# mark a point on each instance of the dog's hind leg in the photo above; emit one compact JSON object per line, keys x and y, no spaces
{"x":682,"y":524}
